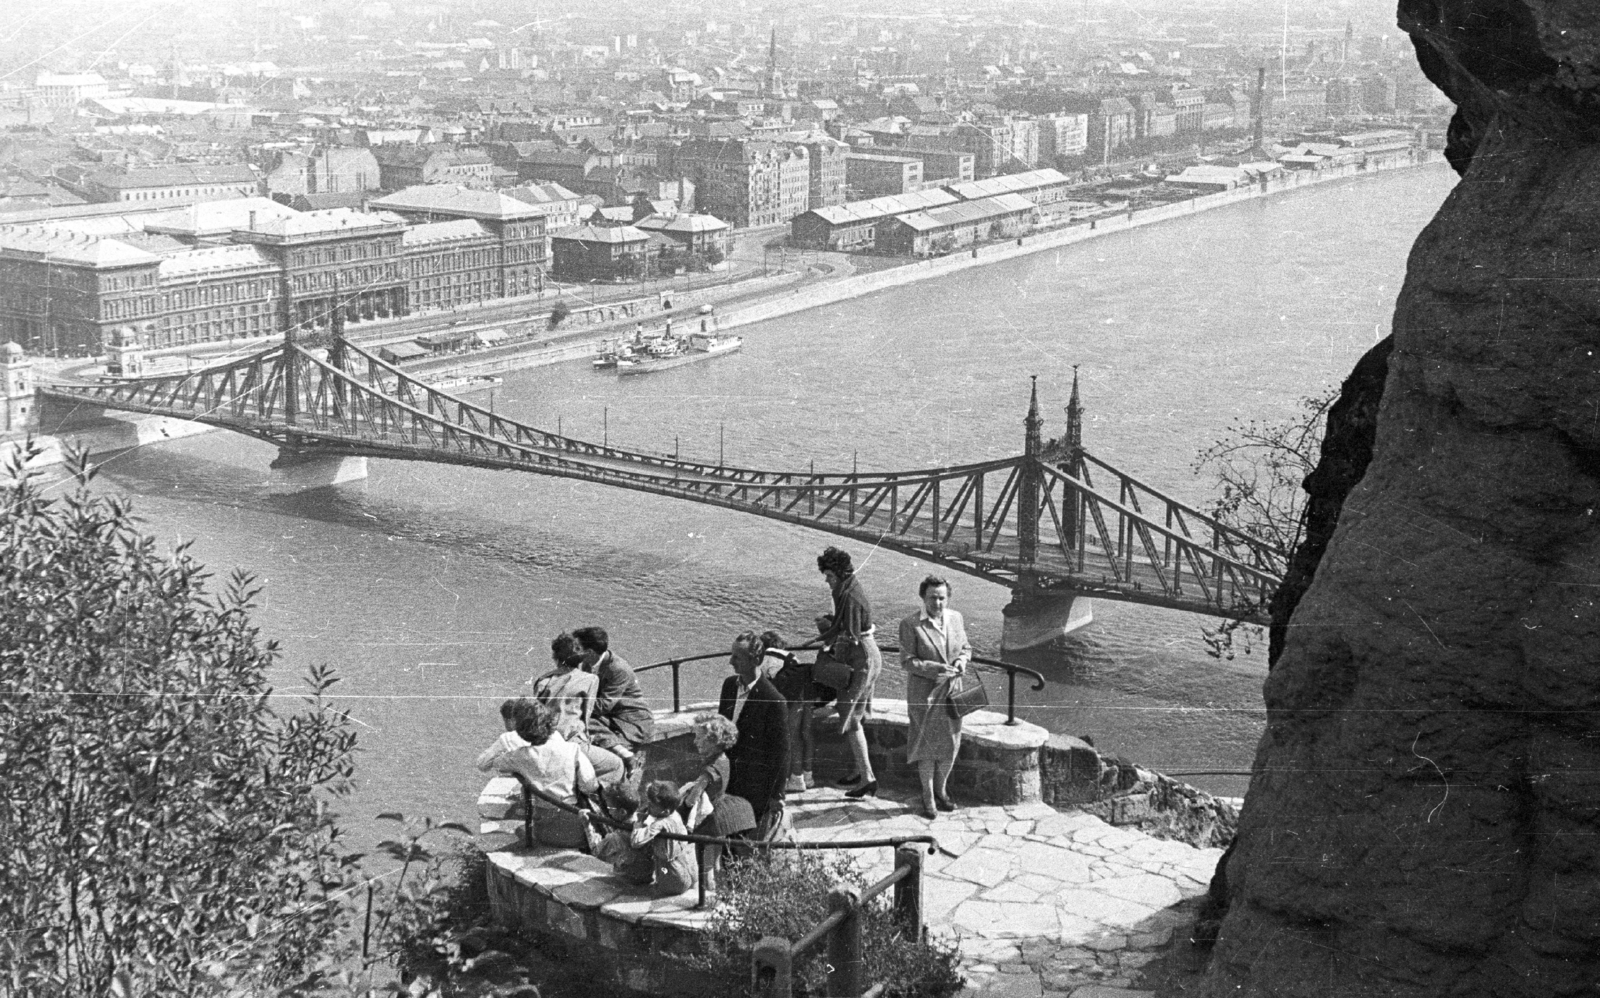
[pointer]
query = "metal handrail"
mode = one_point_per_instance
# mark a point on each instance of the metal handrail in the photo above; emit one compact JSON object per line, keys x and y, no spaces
{"x":992,"y":664}
{"x":529,"y":791}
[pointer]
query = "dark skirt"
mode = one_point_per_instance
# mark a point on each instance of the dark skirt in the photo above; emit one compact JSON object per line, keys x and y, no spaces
{"x":730,"y":815}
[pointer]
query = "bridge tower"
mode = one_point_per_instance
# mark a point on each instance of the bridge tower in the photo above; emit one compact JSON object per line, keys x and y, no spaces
{"x":298,"y":468}
{"x":1036,"y":616}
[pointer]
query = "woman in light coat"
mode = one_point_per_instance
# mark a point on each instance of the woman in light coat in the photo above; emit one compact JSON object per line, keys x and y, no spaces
{"x":933,"y":650}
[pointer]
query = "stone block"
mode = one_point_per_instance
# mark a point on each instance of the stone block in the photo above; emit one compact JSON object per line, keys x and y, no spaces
{"x":1072,"y":770}
{"x":563,"y":920}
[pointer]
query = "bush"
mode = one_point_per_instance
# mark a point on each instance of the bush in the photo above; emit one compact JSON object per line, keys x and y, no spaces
{"x":559,"y":314}
{"x":166,"y":828}
{"x":787,"y":896}
{"x":1260,"y":469}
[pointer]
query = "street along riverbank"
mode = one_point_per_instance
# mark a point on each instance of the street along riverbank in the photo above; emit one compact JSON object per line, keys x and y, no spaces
{"x":807,"y":291}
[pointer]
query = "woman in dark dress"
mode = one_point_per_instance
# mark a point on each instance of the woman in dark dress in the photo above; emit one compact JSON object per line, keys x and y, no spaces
{"x":847,"y":636}
{"x":725,"y":815}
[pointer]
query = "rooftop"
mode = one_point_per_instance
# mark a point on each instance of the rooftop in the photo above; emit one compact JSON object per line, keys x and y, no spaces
{"x":66,"y":246}
{"x":1008,"y":183}
{"x":329,"y":222}
{"x":601,"y":234}
{"x":453,"y":199}
{"x":893,"y":204}
{"x":211,"y":260}
{"x":443,"y":232}
{"x":174,"y":176}
{"x":218,"y":218}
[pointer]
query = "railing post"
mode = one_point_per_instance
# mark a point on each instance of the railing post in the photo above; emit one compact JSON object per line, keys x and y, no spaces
{"x":908,"y":891}
{"x":847,"y":972}
{"x":771,"y":969}
{"x":675,"y":699}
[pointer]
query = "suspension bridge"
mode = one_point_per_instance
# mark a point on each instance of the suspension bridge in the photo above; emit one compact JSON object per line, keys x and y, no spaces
{"x":1052,"y":521}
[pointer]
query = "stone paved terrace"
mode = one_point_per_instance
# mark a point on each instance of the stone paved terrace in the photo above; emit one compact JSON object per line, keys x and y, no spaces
{"x":1041,"y":901}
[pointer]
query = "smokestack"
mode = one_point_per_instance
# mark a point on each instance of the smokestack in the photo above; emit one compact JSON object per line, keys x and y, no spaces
{"x":1261,"y":96}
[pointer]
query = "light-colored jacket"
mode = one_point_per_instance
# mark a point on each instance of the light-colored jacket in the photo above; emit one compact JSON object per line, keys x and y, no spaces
{"x":927,"y":653}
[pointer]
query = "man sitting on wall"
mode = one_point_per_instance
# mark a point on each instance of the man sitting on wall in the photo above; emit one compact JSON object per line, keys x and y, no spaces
{"x":621,"y":720}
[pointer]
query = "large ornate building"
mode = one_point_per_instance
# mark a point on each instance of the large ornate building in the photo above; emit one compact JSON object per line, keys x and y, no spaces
{"x":251,"y":267}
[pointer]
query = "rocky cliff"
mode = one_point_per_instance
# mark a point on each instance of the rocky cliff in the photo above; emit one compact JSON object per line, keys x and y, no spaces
{"x":1425,"y":818}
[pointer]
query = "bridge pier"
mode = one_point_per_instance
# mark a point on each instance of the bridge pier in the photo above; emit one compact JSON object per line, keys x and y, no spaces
{"x":1034,"y":618}
{"x":299,"y":471}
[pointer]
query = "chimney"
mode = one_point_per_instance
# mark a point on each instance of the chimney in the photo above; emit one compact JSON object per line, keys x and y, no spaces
{"x":252,"y":221}
{"x":1260,"y":99}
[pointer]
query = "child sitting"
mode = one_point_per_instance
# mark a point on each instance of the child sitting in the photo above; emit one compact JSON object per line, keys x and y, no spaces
{"x":672,"y":861}
{"x":509,"y":741}
{"x":618,"y":801}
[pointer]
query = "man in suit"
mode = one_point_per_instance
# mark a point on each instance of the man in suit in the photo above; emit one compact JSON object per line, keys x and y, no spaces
{"x":760,"y":759}
{"x":621,"y":720}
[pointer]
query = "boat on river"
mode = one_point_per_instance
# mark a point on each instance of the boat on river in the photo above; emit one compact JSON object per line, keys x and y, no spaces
{"x":678,"y":351}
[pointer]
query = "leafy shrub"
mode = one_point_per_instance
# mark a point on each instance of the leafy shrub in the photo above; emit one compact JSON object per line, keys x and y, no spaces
{"x":787,"y":896}
{"x":166,"y":828}
{"x":559,"y":314}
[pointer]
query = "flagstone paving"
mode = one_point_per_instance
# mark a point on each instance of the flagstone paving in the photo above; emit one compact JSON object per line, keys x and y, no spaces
{"x":1040,"y":902}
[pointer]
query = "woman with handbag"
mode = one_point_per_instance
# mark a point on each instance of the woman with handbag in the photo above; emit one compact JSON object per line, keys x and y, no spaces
{"x":935,"y":652}
{"x":847,"y":637}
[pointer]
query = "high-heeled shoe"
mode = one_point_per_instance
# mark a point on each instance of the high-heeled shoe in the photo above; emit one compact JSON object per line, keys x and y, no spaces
{"x":867,"y":789}
{"x":944,"y":804}
{"x":849,"y":781}
{"x":928,"y":811}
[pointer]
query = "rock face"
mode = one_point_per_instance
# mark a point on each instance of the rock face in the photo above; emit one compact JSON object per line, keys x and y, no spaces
{"x":1425,"y":818}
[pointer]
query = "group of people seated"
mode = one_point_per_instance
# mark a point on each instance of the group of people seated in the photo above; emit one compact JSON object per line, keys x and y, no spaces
{"x":577,"y":739}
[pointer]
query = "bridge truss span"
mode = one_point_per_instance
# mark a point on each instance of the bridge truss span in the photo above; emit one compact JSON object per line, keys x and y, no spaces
{"x":1047,"y":519}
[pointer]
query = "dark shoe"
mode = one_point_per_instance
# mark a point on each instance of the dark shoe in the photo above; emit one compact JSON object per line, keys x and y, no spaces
{"x":944,"y":804}
{"x":849,"y":781}
{"x":927,"y":811}
{"x":869,"y":789}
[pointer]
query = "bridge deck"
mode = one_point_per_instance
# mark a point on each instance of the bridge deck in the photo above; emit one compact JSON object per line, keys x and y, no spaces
{"x":1039,"y":518}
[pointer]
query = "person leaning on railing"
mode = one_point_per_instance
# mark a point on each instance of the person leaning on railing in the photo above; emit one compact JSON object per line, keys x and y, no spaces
{"x":555,"y":766}
{"x":794,"y":680}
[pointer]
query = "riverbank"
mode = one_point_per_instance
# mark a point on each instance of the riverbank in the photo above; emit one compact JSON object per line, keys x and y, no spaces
{"x":826,"y":291}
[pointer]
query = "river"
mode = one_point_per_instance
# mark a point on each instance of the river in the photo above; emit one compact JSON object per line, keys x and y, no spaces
{"x":435,"y":590}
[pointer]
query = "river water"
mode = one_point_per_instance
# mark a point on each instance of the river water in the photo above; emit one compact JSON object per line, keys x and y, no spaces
{"x":435,"y":590}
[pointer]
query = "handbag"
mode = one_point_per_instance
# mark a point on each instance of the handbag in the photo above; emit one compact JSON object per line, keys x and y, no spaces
{"x":831,"y":672}
{"x":966,"y":693}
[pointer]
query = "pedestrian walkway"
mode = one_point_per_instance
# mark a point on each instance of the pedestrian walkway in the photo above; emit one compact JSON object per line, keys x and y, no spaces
{"x":1040,"y":901}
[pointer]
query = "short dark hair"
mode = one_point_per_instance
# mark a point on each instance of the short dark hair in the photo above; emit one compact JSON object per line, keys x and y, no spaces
{"x":932,"y":582}
{"x":834,"y":560}
{"x":508,"y":710}
{"x":536,"y":725}
{"x":593,"y":638}
{"x":663,"y":793}
{"x":563,"y":646}
{"x":621,"y":796}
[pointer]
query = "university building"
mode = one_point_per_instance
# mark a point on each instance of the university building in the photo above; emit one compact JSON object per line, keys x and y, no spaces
{"x":251,"y":267}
